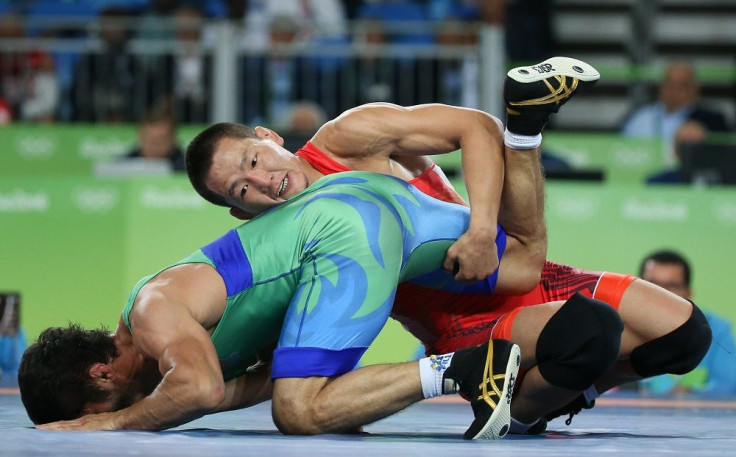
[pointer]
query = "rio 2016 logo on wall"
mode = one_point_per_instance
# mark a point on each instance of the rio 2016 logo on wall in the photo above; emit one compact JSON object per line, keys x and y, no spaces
{"x":95,"y":199}
{"x":35,"y":147}
{"x":655,"y":209}
{"x":93,"y":148}
{"x":24,"y":201}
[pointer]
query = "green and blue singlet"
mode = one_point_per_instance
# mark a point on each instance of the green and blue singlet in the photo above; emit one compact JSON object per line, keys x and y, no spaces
{"x":318,"y":273}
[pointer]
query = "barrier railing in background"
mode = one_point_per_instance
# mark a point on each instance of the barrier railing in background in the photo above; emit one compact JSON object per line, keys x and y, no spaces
{"x":111,"y":70}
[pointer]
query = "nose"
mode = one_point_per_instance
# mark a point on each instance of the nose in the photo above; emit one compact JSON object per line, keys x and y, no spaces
{"x":260,"y":179}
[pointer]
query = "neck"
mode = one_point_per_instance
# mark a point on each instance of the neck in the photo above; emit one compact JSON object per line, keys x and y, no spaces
{"x":310,"y":172}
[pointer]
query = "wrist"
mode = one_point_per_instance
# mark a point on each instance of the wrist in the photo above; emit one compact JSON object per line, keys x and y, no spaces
{"x":484,"y":229}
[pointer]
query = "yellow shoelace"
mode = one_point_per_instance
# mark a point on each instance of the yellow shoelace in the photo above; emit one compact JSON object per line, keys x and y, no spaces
{"x":555,"y":95}
{"x":489,"y":379}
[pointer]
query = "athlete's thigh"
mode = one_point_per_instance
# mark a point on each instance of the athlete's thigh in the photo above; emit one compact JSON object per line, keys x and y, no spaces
{"x":527,"y":327}
{"x":648,"y":312}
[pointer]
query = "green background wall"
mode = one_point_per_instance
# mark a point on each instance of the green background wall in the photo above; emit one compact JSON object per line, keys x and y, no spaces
{"x":74,"y":245}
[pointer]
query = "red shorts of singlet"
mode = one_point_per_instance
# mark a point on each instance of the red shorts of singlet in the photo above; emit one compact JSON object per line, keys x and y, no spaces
{"x":446,"y":321}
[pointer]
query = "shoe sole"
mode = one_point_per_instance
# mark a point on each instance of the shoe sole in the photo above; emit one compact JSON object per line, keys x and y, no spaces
{"x":500,"y":421}
{"x":556,"y":66}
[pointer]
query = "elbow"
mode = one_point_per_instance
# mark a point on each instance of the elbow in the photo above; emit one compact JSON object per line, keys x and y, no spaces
{"x":534,"y":261}
{"x":209,"y":395}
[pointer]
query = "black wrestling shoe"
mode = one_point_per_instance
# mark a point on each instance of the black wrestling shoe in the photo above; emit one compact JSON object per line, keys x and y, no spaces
{"x":533,"y":93}
{"x":485,"y":375}
{"x":538,"y":428}
{"x":574,"y":407}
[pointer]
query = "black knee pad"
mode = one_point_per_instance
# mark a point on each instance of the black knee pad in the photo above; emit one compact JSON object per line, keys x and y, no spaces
{"x":580,"y":343}
{"x":677,"y":352}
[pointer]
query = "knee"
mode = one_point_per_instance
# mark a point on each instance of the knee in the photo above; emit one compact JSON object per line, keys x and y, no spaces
{"x":677,"y":352}
{"x":580,"y":343}
{"x":293,"y":416}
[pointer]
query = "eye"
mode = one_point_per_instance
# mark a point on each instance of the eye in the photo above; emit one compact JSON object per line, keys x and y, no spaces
{"x":243,"y":190}
{"x":254,"y":161}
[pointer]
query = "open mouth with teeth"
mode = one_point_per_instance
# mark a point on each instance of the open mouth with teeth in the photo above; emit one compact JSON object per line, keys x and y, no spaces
{"x":283,"y":186}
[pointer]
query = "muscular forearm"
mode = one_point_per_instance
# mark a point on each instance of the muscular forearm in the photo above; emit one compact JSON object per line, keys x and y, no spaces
{"x":178,"y":399}
{"x":173,"y":402}
{"x":483,"y":170}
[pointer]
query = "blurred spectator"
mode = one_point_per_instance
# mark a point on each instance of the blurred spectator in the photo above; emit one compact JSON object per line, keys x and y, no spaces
{"x":104,"y":88}
{"x":463,"y":10}
{"x":375,"y":77}
{"x":312,"y":19}
{"x":282,"y":78}
{"x":155,"y":22}
{"x":352,"y":7}
{"x":397,"y":15}
{"x":458,"y":77}
{"x":191,"y":69}
{"x":157,"y":138}
{"x":29,"y":83}
{"x":278,"y":28}
{"x":6,"y":114}
{"x":273,"y":81}
{"x":716,"y":374}
{"x":689,"y":132}
{"x":303,"y":119}
{"x":398,"y":77}
{"x":679,"y":101}
{"x":12,"y":339}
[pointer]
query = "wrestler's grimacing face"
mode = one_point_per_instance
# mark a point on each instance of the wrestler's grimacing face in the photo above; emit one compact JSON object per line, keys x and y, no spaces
{"x":254,"y":175}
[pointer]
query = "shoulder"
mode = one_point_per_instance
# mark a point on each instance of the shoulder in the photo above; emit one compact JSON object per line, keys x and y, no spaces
{"x":192,"y":286}
{"x":362,"y":131}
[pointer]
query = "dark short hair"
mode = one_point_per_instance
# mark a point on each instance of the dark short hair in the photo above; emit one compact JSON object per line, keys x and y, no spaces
{"x":54,"y":376}
{"x":201,"y":150}
{"x":670,"y":257}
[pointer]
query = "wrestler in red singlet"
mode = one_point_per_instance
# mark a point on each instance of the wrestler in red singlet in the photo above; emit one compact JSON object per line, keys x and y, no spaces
{"x":446,"y":321}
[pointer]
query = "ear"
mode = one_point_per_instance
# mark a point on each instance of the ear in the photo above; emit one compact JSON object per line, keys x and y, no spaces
{"x":102,"y":372}
{"x":241,"y":214}
{"x":266,"y":133}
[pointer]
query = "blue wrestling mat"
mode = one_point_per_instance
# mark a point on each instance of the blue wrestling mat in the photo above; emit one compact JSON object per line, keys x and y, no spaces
{"x":617,"y":426}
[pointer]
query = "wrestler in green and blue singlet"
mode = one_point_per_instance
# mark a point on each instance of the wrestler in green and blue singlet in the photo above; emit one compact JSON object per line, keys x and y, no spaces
{"x":318,"y":273}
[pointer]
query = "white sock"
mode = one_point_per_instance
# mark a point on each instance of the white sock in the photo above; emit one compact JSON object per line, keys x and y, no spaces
{"x":431,"y":370}
{"x":516,"y":141}
{"x":590,"y":394}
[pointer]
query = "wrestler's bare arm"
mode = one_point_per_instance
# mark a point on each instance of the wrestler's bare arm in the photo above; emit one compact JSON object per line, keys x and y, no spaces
{"x":377,"y":131}
{"x":166,"y":330}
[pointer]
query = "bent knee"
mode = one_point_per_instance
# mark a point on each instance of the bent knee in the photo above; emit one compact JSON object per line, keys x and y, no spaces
{"x":579,"y":344}
{"x":677,"y":352}
{"x":293,"y":417}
